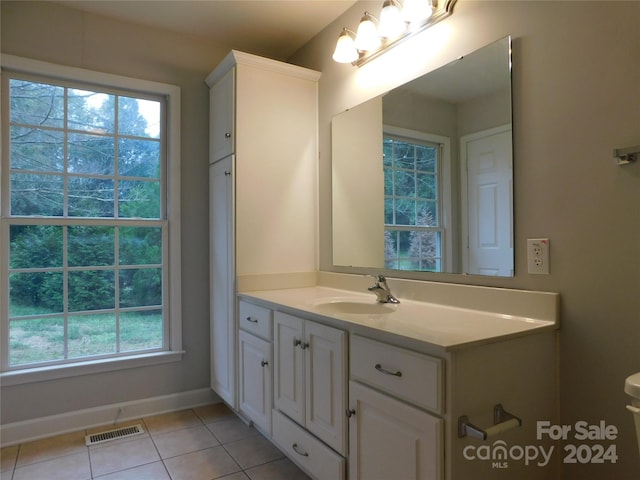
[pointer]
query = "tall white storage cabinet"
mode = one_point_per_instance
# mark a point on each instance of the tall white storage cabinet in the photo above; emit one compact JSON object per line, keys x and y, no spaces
{"x":263,"y":180}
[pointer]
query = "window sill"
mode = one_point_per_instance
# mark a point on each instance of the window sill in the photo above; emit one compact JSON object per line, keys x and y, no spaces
{"x":55,"y":372}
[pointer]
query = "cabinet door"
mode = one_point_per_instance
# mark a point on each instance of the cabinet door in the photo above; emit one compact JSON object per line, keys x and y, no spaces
{"x":325,"y":366}
{"x":390,"y":439}
{"x":288,"y":375}
{"x":222,"y":117}
{"x":255,"y":381}
{"x":222,"y":325}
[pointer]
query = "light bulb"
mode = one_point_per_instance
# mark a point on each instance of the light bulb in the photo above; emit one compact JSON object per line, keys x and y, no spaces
{"x":345,"y":51}
{"x":392,"y":24}
{"x":416,"y":12}
{"x":367,"y":35}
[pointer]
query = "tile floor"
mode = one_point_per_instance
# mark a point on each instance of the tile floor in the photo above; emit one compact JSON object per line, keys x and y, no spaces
{"x":199,"y":444}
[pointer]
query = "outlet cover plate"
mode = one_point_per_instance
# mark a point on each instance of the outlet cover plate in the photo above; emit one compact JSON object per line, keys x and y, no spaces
{"x":538,"y":256}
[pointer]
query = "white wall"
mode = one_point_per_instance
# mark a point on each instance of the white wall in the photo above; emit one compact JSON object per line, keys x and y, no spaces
{"x":49,"y":32}
{"x":576,"y":91}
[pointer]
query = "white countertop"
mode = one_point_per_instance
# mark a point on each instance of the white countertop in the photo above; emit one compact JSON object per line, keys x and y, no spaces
{"x":442,"y":326}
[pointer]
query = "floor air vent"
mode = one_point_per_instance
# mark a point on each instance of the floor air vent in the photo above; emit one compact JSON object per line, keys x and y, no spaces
{"x":113,"y":434}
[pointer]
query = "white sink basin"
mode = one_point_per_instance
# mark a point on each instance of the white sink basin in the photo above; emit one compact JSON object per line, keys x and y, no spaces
{"x":333,"y":307}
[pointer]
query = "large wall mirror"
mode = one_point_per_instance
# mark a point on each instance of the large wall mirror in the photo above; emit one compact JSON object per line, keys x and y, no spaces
{"x":422,"y":175}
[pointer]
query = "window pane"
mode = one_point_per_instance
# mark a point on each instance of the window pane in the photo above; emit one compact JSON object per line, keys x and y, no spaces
{"x":36,"y":195}
{"x":35,"y":293}
{"x":92,"y":335}
{"x":139,"y":199}
{"x":389,"y":217}
{"x":35,"y":246}
{"x":140,"y":287}
{"x":90,"y":197}
{"x":391,"y":249}
{"x":405,"y":212}
{"x":34,"y":149}
{"x":91,"y":290}
{"x":388,"y":181}
{"x":138,"y":117}
{"x":91,"y":111}
{"x":405,"y":184}
{"x":404,"y":244}
{"x":426,"y":158}
{"x":139,"y":158}
{"x":36,"y":340}
{"x":422,"y":245}
{"x":426,"y":186}
{"x":141,"y":330}
{"x":404,"y":155}
{"x":427,"y":214}
{"x":36,"y":103}
{"x":91,"y":246}
{"x":92,"y":154}
{"x":140,"y":245}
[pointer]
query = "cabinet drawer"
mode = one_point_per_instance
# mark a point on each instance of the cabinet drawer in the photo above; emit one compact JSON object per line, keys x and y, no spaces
{"x":306,"y":450}
{"x":408,"y":375}
{"x":255,"y":319}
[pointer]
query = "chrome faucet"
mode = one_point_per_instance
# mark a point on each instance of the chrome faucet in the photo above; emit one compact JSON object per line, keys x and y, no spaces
{"x":381,"y":289}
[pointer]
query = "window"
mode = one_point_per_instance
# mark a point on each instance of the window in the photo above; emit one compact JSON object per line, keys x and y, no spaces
{"x":413,"y":204}
{"x":89,"y":256}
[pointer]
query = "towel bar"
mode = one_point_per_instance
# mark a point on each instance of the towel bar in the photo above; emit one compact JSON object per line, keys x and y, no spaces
{"x":502,"y":421}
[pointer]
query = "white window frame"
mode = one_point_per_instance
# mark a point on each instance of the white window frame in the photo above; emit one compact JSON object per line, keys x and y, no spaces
{"x":174,"y":307}
{"x":445,"y":195}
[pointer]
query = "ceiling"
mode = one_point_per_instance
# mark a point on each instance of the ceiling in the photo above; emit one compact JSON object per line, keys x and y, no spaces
{"x":272,"y":28}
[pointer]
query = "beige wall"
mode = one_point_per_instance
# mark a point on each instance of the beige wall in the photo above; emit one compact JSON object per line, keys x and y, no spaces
{"x":576,"y":98}
{"x":45,"y":31}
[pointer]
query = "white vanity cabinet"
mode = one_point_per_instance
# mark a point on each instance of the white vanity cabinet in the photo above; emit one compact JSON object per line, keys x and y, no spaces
{"x":416,"y":377}
{"x":255,"y":365}
{"x":263,"y":207}
{"x":310,"y":377}
{"x":222,"y":117}
{"x":222,"y":328}
{"x":388,"y":436}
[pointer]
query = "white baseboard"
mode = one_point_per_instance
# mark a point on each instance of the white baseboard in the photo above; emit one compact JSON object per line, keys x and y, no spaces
{"x":33,"y":429}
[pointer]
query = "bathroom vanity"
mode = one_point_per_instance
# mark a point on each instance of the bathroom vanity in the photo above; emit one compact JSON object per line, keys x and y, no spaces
{"x":368,"y":391}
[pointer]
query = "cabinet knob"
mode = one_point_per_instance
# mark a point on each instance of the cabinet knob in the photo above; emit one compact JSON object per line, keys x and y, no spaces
{"x":264,"y":363}
{"x":350,"y":412}
{"x":227,"y":173}
{"x":227,"y":135}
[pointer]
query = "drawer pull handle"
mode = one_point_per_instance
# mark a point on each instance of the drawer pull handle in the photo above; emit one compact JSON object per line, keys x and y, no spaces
{"x":379,"y":368}
{"x":299,"y":452}
{"x":264,"y":363}
{"x":252,"y":320}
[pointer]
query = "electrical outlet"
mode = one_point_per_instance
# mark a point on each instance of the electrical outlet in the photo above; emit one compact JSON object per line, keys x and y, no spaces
{"x":538,"y":256}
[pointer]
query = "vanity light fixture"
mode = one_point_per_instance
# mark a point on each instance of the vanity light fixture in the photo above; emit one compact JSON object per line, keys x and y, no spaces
{"x":398,"y":21}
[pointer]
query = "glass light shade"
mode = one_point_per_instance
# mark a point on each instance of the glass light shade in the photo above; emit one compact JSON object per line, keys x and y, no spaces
{"x":367,"y":35}
{"x":392,"y":24}
{"x":345,"y":51}
{"x":416,"y":11}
